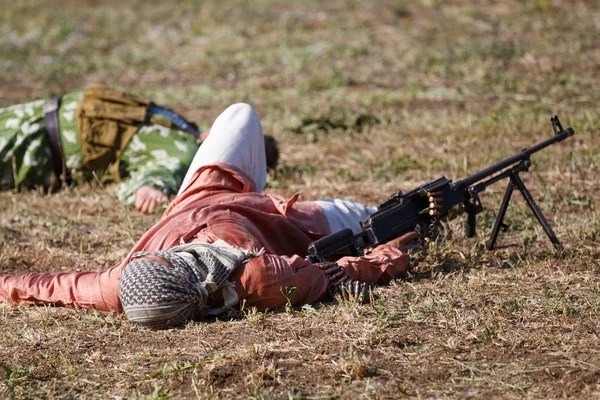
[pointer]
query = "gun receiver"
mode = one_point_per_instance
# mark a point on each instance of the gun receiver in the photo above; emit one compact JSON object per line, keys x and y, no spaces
{"x":422,"y":208}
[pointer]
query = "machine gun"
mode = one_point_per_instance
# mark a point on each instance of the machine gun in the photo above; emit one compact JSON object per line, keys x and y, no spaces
{"x":422,"y":209}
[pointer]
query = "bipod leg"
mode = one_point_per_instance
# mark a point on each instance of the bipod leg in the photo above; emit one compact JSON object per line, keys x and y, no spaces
{"x":538,"y":213}
{"x":498,"y":224}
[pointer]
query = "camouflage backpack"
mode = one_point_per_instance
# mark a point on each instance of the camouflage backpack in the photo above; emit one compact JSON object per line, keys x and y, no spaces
{"x":107,"y":119}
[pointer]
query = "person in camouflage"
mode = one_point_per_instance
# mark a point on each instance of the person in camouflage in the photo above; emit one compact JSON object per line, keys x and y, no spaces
{"x":153,"y":163}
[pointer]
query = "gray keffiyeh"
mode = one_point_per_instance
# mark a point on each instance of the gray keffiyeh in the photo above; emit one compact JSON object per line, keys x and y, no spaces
{"x":157,"y":296}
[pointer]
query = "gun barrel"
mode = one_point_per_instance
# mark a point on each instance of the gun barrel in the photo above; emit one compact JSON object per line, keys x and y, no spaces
{"x":523,"y":155}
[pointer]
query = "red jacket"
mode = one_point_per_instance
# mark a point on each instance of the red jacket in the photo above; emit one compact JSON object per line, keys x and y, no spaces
{"x":220,"y":203}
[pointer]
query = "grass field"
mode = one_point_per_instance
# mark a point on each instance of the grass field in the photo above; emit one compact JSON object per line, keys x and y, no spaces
{"x":365,"y":98}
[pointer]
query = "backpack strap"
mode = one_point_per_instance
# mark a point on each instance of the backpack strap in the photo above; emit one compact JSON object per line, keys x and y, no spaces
{"x":178,"y":121}
{"x":52,"y":129}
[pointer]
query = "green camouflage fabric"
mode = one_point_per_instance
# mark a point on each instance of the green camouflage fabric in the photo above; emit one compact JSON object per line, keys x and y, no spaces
{"x":156,"y":156}
{"x":24,"y":150}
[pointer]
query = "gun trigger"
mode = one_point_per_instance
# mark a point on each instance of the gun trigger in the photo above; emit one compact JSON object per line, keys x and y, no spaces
{"x":475,"y":202}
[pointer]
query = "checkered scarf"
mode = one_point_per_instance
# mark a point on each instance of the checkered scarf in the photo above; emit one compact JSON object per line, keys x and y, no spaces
{"x":157,"y":296}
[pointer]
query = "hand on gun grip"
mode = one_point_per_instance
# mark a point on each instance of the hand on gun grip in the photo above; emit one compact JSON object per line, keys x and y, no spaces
{"x":334,"y":272}
{"x":341,"y":285}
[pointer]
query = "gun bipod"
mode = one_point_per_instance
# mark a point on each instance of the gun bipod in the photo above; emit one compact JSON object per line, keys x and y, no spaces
{"x":515,"y":182}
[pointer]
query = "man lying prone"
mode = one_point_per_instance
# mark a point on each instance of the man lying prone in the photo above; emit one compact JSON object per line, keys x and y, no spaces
{"x":221,"y":241}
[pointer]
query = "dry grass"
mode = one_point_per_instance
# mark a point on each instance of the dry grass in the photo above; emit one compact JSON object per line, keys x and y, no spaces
{"x":443,"y":88}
